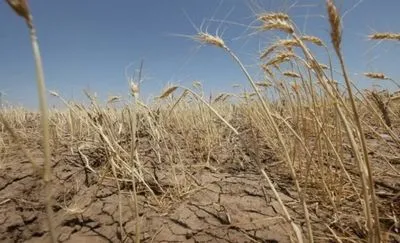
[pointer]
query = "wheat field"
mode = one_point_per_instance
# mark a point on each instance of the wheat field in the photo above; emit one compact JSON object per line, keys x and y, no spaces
{"x":300,"y":157}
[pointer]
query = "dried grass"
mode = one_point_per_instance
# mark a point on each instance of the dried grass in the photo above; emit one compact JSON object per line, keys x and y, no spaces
{"x":317,"y":130}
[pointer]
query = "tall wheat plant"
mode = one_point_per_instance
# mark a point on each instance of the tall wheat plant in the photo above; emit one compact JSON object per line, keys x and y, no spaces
{"x":21,"y":8}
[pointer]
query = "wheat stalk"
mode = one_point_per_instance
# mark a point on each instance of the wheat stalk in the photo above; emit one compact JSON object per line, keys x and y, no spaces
{"x":221,"y":44}
{"x":336,"y":37}
{"x":21,"y":8}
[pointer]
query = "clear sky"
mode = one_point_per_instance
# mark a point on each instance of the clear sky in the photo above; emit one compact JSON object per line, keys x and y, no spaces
{"x":88,"y":44}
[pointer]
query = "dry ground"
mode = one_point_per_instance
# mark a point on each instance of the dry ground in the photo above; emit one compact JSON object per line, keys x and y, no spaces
{"x":194,"y":172}
{"x":227,"y":201}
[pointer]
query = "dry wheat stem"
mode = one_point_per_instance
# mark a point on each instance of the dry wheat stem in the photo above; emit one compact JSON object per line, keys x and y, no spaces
{"x":280,"y":138}
{"x":346,"y":123}
{"x":21,"y":8}
{"x":334,"y":19}
{"x":220,"y":43}
{"x":212,"y":109}
{"x":18,"y":142}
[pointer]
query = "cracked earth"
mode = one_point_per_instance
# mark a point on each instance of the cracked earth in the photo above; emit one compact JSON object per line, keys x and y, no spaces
{"x":222,"y":207}
{"x":225,"y":201}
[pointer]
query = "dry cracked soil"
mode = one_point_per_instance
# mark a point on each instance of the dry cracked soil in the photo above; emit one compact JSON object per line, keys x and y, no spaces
{"x":228,"y":203}
{"x":224,"y":206}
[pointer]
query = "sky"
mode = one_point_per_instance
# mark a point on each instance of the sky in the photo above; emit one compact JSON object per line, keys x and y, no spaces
{"x":87,"y":44}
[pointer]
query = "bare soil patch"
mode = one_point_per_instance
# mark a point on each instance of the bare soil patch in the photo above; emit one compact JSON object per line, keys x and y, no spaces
{"x":226,"y":201}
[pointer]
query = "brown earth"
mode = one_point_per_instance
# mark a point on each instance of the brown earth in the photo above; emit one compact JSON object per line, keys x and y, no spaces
{"x":228,"y":203}
{"x":226,"y":206}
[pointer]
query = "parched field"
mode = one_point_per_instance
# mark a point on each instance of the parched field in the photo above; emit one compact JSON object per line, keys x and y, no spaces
{"x":198,"y":185}
{"x":304,"y":156}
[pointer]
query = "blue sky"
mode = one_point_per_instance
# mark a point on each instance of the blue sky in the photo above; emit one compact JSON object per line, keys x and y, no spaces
{"x":88,"y":44}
